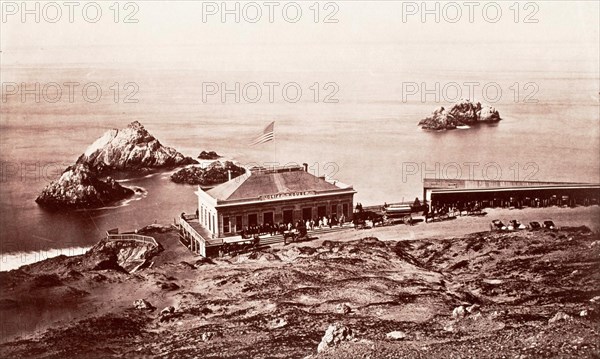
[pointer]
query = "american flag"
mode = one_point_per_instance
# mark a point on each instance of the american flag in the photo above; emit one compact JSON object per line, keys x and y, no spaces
{"x":265,"y":136}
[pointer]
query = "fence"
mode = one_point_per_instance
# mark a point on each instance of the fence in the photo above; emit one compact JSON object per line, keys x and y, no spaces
{"x":197,"y":242}
{"x":131,"y":237}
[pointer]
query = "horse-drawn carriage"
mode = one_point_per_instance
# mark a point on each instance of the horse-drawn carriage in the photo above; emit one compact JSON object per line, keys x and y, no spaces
{"x":240,"y":246}
{"x":295,"y":235}
{"x":361,"y":218}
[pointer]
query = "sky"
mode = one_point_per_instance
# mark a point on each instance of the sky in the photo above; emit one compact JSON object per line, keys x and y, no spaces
{"x":348,"y":35}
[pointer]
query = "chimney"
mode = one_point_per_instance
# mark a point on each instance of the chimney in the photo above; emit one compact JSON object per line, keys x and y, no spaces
{"x":229,"y":175}
{"x":305,"y":167}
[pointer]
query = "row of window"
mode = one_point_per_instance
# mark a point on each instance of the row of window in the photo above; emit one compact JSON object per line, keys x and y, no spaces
{"x":233,"y":224}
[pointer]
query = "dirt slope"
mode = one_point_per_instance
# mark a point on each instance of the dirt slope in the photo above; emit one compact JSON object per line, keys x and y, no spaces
{"x":278,"y":303}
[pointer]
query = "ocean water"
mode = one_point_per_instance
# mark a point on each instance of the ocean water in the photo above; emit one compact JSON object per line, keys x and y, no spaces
{"x":369,"y":138}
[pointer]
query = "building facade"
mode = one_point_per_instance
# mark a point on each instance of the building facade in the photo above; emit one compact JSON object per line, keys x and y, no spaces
{"x":272,"y":196}
{"x":489,"y":193}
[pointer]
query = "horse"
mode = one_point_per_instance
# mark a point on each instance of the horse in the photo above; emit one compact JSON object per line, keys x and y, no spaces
{"x":361,"y":217}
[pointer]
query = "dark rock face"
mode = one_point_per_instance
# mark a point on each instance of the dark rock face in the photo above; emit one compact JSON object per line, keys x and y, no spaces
{"x":214,"y":174}
{"x":119,"y":256}
{"x":463,"y":113}
{"x":212,"y":155}
{"x":80,"y":187}
{"x":131,"y":149}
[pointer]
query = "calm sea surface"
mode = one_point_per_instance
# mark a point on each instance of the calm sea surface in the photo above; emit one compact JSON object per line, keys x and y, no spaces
{"x":368,"y":139}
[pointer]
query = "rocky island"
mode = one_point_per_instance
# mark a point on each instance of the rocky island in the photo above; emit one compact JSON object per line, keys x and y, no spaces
{"x":132,"y":149}
{"x":87,"y":185}
{"x":80,"y":186}
{"x":463,"y":113}
{"x":209,"y":155}
{"x":216,"y":173}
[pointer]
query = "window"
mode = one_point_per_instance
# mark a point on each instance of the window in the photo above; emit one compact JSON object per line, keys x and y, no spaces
{"x":345,"y":209}
{"x":322,"y":211}
{"x":334,"y":209}
{"x":288,"y":216}
{"x":238,"y":223}
{"x":252,"y":219}
{"x":307,"y":213}
{"x":226,"y":228}
{"x":268,"y":218}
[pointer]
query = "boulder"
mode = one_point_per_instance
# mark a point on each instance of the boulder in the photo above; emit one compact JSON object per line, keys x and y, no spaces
{"x":142,"y":304}
{"x":208,"y":336}
{"x":167,"y":310}
{"x":459,"y":312}
{"x":489,"y":114}
{"x":473,"y":308}
{"x":169,"y":286}
{"x":396,"y":335}
{"x":278,"y":323}
{"x":334,"y":335}
{"x":560,"y":316}
{"x":343,"y":308}
{"x":583,"y":313}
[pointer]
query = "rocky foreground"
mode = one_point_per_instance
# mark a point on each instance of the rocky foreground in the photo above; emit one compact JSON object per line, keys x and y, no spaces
{"x":463,"y":113}
{"x":487,"y":295}
{"x":80,"y":186}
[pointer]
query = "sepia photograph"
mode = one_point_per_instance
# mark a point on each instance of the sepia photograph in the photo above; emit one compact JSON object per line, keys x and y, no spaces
{"x":303,"y":179}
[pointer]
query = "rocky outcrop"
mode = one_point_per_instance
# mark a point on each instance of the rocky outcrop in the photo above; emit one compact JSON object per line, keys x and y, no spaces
{"x":80,"y":187}
{"x":131,"y":149}
{"x":215,"y":173}
{"x":335,"y":335}
{"x":122,"y":256}
{"x":208,"y":155}
{"x":463,"y":113}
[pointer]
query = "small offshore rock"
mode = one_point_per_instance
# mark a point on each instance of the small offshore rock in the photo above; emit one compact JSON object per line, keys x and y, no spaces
{"x":396,"y":335}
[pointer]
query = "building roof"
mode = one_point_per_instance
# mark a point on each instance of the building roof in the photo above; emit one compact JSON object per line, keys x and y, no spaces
{"x":257,"y":184}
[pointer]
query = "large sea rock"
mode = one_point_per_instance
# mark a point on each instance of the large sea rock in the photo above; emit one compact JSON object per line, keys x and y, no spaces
{"x":80,"y":186}
{"x":215,"y":173}
{"x":131,"y":149}
{"x":463,"y":113}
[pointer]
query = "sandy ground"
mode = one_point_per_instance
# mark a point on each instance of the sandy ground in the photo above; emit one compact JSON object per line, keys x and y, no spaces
{"x":580,"y":216}
{"x":278,"y":302}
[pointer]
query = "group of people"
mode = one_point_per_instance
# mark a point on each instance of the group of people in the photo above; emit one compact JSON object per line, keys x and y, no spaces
{"x":325,"y":221}
{"x":330,"y":221}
